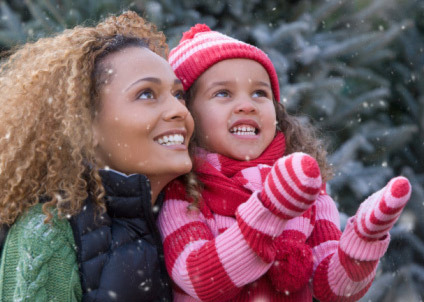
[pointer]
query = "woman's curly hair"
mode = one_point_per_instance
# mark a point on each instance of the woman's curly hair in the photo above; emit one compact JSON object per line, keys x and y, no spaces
{"x":48,"y":100}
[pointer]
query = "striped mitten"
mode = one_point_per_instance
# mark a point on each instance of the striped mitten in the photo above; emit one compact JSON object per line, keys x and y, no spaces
{"x":292,"y":267}
{"x":379,"y":212}
{"x":292,"y":185}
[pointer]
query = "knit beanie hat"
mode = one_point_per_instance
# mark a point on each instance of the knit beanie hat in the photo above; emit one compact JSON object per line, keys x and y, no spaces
{"x":200,"y":48}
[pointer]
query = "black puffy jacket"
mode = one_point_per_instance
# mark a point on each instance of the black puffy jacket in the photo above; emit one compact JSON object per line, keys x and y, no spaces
{"x":120,"y":253}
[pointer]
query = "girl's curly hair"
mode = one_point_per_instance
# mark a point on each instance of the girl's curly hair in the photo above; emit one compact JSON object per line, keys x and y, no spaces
{"x":49,"y":95}
{"x":303,"y":138}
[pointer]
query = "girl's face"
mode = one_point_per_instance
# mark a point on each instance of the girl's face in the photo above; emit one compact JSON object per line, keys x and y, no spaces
{"x":233,"y":109}
{"x":143,"y":125}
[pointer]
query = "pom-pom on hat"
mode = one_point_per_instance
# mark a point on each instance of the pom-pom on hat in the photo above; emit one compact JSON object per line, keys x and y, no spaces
{"x":201,"y":47}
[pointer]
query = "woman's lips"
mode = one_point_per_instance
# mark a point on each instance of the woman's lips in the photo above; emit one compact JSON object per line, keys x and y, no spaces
{"x":173,"y":139}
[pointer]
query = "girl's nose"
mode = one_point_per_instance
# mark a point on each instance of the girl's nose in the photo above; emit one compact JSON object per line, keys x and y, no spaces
{"x":245,"y":105}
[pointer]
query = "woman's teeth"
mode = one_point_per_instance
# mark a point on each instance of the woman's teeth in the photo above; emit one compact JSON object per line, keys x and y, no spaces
{"x":243,"y":130}
{"x":174,"y":139}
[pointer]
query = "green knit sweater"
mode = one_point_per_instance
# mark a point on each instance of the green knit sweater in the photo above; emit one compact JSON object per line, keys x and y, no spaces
{"x":38,"y":261}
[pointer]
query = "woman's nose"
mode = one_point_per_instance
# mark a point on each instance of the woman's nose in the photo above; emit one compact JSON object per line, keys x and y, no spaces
{"x":176,"y":110}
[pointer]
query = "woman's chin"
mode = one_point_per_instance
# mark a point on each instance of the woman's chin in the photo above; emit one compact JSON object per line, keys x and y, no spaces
{"x":177,"y":169}
{"x":184,"y":168}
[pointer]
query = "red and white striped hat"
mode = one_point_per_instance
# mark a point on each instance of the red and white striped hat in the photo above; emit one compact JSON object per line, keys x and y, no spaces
{"x":200,"y":48}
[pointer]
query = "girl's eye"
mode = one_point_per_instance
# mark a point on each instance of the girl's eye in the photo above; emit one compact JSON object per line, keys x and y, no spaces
{"x":222,"y":94}
{"x":146,"y":94}
{"x":259,"y":94}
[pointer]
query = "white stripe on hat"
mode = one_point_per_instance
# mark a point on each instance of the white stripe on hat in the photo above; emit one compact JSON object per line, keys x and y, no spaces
{"x":199,"y":38}
{"x":202,"y":46}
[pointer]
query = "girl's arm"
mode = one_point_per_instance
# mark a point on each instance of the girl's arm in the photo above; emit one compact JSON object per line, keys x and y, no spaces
{"x":345,"y":264}
{"x":208,"y":266}
{"x":214,"y":267}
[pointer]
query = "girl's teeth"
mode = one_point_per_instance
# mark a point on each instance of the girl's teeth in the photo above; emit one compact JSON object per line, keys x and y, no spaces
{"x":243,"y":130}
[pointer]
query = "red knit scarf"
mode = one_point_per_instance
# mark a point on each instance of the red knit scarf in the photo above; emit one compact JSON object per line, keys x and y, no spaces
{"x":223,"y":183}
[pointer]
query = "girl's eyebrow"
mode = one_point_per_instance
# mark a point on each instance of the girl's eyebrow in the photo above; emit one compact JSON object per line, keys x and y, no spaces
{"x":219,"y":83}
{"x":261,"y":83}
{"x":224,"y":83}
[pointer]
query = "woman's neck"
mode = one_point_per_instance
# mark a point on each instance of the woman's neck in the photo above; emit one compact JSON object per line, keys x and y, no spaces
{"x":155,"y":189}
{"x":157,"y":183}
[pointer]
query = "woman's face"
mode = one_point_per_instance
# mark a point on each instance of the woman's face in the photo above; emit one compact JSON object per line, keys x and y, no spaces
{"x":142,"y":125}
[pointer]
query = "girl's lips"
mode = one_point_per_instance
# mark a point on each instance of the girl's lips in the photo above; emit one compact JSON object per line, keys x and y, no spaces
{"x":245,"y":137}
{"x":243,"y":129}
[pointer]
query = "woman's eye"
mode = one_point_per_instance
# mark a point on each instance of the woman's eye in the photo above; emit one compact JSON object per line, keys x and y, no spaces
{"x":146,"y":94}
{"x":222,"y":94}
{"x":180,"y":95}
{"x":259,"y":94}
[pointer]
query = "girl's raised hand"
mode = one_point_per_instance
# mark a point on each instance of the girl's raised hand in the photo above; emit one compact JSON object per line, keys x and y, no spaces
{"x":292,"y":186}
{"x":379,"y":212}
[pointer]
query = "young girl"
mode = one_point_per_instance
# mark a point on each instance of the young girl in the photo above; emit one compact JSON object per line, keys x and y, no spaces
{"x":265,"y":229}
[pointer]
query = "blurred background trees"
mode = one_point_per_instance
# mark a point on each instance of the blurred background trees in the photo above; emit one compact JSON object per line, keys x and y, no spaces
{"x":354,"y":68}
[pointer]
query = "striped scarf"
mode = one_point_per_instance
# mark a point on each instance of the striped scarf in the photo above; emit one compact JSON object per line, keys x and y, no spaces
{"x":224,"y":184}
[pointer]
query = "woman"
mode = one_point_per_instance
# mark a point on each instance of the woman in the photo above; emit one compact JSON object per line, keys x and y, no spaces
{"x":93,"y":127}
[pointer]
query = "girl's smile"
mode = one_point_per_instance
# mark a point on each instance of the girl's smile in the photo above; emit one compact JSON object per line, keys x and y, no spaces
{"x":245,"y":128}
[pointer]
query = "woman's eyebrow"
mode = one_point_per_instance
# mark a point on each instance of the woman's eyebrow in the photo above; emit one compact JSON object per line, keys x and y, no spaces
{"x":152,"y":80}
{"x":147,"y":79}
{"x":262,"y":83}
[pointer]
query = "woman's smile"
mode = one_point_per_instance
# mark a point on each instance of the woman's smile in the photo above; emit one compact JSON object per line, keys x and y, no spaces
{"x":173,"y":139}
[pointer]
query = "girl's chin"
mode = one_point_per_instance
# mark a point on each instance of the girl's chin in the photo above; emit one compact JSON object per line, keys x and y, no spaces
{"x":243,"y":156}
{"x":245,"y":151}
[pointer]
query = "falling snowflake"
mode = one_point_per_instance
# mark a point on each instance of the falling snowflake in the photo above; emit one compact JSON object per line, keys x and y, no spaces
{"x":113,"y":295}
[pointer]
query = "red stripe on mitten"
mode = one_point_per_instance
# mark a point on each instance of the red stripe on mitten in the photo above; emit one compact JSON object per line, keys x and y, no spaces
{"x":292,"y":185}
{"x":379,"y":212}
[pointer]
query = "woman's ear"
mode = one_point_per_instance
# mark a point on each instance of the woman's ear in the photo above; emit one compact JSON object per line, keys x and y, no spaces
{"x":96,"y":137}
{"x":96,"y":144}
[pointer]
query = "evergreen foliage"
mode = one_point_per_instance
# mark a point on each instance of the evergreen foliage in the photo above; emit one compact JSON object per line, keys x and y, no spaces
{"x":353,"y":68}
